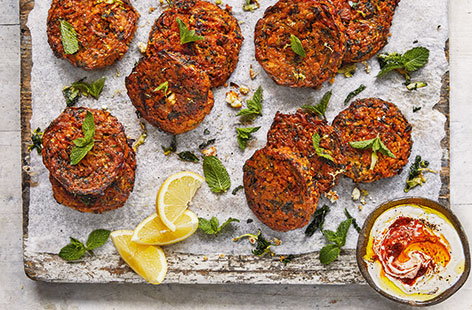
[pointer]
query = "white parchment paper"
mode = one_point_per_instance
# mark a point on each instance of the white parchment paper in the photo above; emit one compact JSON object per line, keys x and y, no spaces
{"x":51,"y":224}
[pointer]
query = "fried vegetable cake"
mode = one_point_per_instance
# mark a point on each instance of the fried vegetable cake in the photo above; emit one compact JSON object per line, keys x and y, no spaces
{"x":100,"y":167}
{"x":366,"y":119}
{"x":367,"y":26}
{"x":170,"y":92}
{"x":114,"y":197}
{"x":295,"y":131}
{"x":279,"y":188}
{"x":317,"y":26}
{"x":217,"y":54}
{"x":104,"y":30}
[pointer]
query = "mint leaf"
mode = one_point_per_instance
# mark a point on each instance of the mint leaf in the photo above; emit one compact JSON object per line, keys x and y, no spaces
{"x":188,"y":156}
{"x":73,"y":251}
{"x":354,"y":93}
{"x":244,"y":135}
{"x":365,"y":144}
{"x":321,"y":107}
{"x":212,"y":227}
{"x":318,"y":220}
{"x":297,"y":46}
{"x":321,"y":152}
{"x":186,"y":35}
{"x":332,"y":236}
{"x":342,"y":230}
{"x":85,"y":144}
{"x":69,"y":40}
{"x":73,"y":92}
{"x":415,"y":59}
{"x":216,"y":175}
{"x":329,"y":253}
{"x":97,"y":238}
{"x":254,"y":106}
{"x":384,"y":150}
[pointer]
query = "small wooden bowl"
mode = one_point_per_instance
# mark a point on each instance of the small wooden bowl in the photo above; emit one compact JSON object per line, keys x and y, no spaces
{"x":364,"y":238}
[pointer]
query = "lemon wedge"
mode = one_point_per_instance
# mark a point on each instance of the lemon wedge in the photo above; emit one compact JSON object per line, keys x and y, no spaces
{"x":175,"y":195}
{"x":148,"y":261}
{"x":152,"y":231}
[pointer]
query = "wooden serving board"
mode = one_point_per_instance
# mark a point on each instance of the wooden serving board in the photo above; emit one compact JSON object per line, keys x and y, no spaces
{"x":183,"y":267}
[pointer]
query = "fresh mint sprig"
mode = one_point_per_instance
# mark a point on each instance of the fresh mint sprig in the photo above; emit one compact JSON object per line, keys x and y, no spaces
{"x":376,"y":145}
{"x":254,"y":106}
{"x":244,"y":135}
{"x":83,"y":145}
{"x":69,"y":40}
{"x":330,"y":252}
{"x":321,"y":107}
{"x":216,"y":175}
{"x":212,"y":226}
{"x":186,"y":35}
{"x":80,"y":88}
{"x":76,"y":249}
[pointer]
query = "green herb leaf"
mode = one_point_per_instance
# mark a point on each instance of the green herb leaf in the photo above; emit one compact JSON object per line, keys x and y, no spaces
{"x":263,"y":246}
{"x":412,"y":60}
{"x":331,"y":236}
{"x":244,"y":135}
{"x":186,"y":35}
{"x":73,"y":92}
{"x":206,"y":144}
{"x":216,"y":175}
{"x":37,"y":141}
{"x":354,"y":93}
{"x":237,"y":189}
{"x":321,"y":107}
{"x":321,"y":152}
{"x":342,"y":230}
{"x":318,"y":220}
{"x":163,"y":86}
{"x":188,"y":156}
{"x":354,"y":222}
{"x":97,"y":238}
{"x":78,"y":153}
{"x":73,"y":251}
{"x":171,"y":148}
{"x":329,"y":253}
{"x":416,"y":175}
{"x":376,"y":145}
{"x":254,"y":106}
{"x":85,"y":144}
{"x":212,"y":226}
{"x":415,"y":59}
{"x":69,"y":40}
{"x":297,"y":46}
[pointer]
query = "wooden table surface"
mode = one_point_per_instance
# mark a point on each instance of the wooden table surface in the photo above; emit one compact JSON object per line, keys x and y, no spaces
{"x":18,"y":292}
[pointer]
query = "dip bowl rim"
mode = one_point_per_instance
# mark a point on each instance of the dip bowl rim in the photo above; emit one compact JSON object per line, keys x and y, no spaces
{"x":364,"y":238}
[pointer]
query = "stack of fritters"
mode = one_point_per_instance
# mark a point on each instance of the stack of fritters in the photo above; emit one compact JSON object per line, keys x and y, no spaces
{"x":104,"y":178}
{"x":284,"y":180}
{"x":190,"y":70}
{"x":332,"y":33}
{"x":104,"y":30}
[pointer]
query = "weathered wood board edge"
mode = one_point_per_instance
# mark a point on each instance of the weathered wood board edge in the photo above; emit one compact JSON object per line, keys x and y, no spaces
{"x":188,"y":268}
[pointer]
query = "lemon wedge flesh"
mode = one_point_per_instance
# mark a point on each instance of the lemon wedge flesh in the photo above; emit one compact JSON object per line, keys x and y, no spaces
{"x":152,"y":230}
{"x":148,"y":261}
{"x":175,"y":195}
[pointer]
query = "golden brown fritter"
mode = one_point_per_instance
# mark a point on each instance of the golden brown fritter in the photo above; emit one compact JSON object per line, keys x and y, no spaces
{"x":363,"y":120}
{"x":279,"y":188}
{"x":115,"y":196}
{"x":180,"y":106}
{"x":321,"y":33}
{"x":367,"y":26}
{"x":296,"y":131}
{"x":217,"y":54}
{"x":100,"y":167}
{"x":104,"y":30}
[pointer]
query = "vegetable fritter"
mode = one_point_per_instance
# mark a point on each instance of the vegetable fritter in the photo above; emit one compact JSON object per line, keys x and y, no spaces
{"x":296,"y":131}
{"x":100,"y":167}
{"x":321,"y":34}
{"x":113,"y":197}
{"x":279,"y":188}
{"x":366,"y":119}
{"x":104,"y":30}
{"x":170,"y":92}
{"x":367,"y":26}
{"x":217,"y":53}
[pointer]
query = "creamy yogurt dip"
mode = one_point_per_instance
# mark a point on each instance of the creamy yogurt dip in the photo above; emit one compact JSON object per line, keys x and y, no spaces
{"x":414,"y":253}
